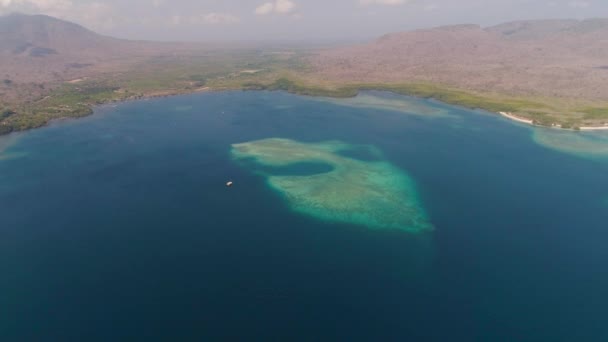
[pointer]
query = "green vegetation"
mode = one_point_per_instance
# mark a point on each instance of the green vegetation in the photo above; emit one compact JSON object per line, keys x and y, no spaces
{"x":295,"y":88}
{"x":283,"y":70}
{"x":539,"y":111}
{"x":458,"y":97}
{"x":596,"y":113}
{"x":66,"y":101}
{"x":198,"y":80}
{"x":6,"y":113}
{"x":543,"y":112}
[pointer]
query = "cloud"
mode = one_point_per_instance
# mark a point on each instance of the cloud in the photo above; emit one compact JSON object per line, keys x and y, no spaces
{"x":277,"y":7}
{"x":264,"y":9}
{"x":383,"y":2}
{"x":579,"y":4}
{"x":220,"y":18}
{"x":284,"y":6}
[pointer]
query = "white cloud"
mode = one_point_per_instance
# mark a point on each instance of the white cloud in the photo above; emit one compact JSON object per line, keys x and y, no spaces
{"x":263,"y":9}
{"x":284,"y":6}
{"x":383,"y":2}
{"x":220,"y":18}
{"x":579,"y":4}
{"x":278,"y":7}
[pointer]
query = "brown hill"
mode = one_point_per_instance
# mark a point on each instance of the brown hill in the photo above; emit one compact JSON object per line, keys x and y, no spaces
{"x":39,"y":48}
{"x":552,"y":58}
{"x":39,"y":52}
{"x":34,"y":35}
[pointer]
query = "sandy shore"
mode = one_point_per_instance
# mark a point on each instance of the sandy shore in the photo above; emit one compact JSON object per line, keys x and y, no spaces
{"x":516,"y":118}
{"x":596,"y":128}
{"x":513,"y":117}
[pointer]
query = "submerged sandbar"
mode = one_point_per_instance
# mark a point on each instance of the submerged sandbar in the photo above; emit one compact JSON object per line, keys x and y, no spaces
{"x":592,"y":145}
{"x":374,"y":193}
{"x":7,"y":141}
{"x":390,"y":102}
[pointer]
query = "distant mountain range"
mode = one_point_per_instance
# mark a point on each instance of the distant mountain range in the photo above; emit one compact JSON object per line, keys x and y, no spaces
{"x":553,"y":58}
{"x":563,"y":58}
{"x":39,"y":48}
{"x":39,"y":35}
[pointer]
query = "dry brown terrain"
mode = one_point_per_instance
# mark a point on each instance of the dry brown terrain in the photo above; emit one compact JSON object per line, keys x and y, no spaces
{"x":37,"y":52}
{"x":546,"y":58}
{"x":553,"y":72}
{"x":51,"y":69}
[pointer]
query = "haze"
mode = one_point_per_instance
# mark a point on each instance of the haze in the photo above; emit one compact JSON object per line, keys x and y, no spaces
{"x":256,"y":20}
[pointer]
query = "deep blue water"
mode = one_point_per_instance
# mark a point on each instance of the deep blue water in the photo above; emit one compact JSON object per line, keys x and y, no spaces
{"x":119,"y":227}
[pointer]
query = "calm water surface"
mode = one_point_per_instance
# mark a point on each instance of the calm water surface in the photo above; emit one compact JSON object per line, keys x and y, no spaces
{"x":119,"y":227}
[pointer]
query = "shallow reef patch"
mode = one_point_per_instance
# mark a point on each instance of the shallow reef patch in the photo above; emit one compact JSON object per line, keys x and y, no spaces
{"x":592,"y":145}
{"x":390,"y":102}
{"x":374,"y":193}
{"x":5,"y":143}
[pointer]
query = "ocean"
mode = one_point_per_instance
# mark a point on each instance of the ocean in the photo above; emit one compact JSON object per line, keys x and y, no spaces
{"x":120,"y":226}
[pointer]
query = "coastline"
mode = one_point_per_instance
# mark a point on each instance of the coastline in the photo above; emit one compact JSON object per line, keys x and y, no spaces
{"x":516,"y":118}
{"x":453,"y":97}
{"x":346,"y":92}
{"x":594,"y":128}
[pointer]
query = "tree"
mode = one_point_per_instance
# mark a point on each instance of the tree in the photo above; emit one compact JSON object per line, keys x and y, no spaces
{"x":5,"y":113}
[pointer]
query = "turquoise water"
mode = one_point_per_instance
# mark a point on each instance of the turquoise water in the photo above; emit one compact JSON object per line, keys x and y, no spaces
{"x":119,"y":226}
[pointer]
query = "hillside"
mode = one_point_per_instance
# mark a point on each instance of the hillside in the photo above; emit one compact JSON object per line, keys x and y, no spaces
{"x":545,"y":59}
{"x":550,"y":71}
{"x":38,"y":48}
{"x":23,"y":35}
{"x":50,"y":68}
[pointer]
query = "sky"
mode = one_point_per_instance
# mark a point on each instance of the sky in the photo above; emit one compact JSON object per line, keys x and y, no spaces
{"x":292,"y":20}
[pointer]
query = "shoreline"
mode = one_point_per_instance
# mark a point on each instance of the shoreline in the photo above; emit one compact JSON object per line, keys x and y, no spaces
{"x":353,"y":90}
{"x":594,"y":128}
{"x":510,"y":116}
{"x":204,"y":89}
{"x":516,"y":118}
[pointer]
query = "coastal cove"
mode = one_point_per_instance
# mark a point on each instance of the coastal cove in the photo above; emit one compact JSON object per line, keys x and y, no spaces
{"x":120,"y":223}
{"x":75,"y":100}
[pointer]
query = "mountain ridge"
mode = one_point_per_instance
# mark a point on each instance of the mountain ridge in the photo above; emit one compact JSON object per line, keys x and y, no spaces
{"x":20,"y":32}
{"x":42,"y":49}
{"x":552,"y":71}
{"x":550,"y":58}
